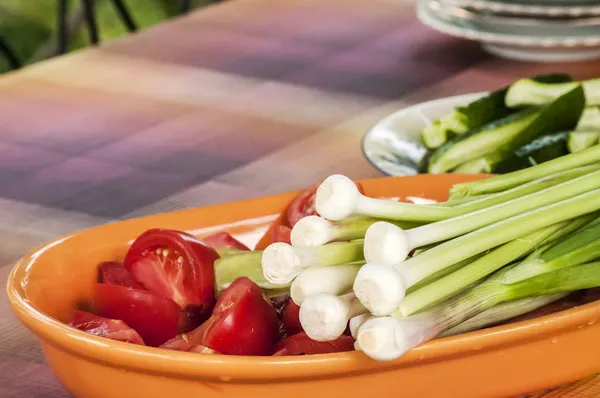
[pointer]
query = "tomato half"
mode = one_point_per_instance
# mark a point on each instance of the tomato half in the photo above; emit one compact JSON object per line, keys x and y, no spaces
{"x":177,"y":266}
{"x":243,"y":322}
{"x":114,"y":273}
{"x":113,"y":329}
{"x":155,"y":318}
{"x":301,"y":344}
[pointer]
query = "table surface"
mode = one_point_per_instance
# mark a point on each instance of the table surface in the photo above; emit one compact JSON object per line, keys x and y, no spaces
{"x":237,"y":100}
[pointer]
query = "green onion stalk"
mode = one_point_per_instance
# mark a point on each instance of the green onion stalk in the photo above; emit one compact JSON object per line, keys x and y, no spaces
{"x":338,"y":198}
{"x":282,"y":263}
{"x":381,"y":288}
{"x":503,"y":182}
{"x":388,"y":338}
{"x":499,"y":257}
{"x":503,"y":312}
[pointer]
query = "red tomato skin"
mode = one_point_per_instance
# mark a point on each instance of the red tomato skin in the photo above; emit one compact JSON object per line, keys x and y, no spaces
{"x":281,"y":233}
{"x":224,"y":240}
{"x":113,"y":273}
{"x":291,"y":318}
{"x":113,"y":329}
{"x":190,"y":284}
{"x":243,"y":322}
{"x":155,"y":318}
{"x":301,"y":344}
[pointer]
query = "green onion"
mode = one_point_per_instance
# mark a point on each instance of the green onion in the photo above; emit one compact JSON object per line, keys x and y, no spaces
{"x":381,"y":288}
{"x":281,"y":262}
{"x":244,"y":263}
{"x":316,"y":231}
{"x":471,"y":273}
{"x":499,"y":257}
{"x":387,"y":338}
{"x":335,"y":279}
{"x":388,"y":244}
{"x":506,"y":181}
{"x":503,"y":312}
{"x":324,"y":317}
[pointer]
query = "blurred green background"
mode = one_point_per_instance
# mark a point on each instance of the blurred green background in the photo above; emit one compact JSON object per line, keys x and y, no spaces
{"x":29,"y":26}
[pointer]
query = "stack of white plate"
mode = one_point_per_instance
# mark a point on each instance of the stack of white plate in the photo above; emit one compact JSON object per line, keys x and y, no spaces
{"x":533,"y":30}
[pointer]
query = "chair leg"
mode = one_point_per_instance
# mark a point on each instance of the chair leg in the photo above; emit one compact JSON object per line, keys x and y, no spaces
{"x":9,"y":54}
{"x":186,"y":5}
{"x":63,"y":26}
{"x":90,"y":17}
{"x":125,"y":15}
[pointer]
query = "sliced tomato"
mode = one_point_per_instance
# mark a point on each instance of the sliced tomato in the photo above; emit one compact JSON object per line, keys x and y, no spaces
{"x":200,"y":349}
{"x":243,"y":322}
{"x":224,"y":240}
{"x":301,"y":344}
{"x":177,"y":266}
{"x":113,"y":329}
{"x":155,"y":318}
{"x":291,"y":318}
{"x":186,"y":341}
{"x":304,"y":205}
{"x":281,"y":233}
{"x":114,"y":273}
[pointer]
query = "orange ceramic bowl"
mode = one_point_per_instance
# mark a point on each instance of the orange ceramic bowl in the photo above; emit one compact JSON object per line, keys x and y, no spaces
{"x":46,"y":286}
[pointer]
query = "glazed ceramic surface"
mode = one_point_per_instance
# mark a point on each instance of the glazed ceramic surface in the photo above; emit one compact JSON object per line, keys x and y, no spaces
{"x":47,"y":285}
{"x":394,"y":146}
{"x":525,"y":38}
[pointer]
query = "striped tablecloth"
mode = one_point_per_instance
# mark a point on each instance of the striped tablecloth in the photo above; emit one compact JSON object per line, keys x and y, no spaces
{"x":238,"y":100}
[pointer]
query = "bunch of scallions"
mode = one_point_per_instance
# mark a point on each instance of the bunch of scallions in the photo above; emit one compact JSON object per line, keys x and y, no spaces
{"x":399,"y":274}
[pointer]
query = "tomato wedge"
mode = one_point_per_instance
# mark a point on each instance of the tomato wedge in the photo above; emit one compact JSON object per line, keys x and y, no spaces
{"x":186,"y":341}
{"x":301,"y":344}
{"x":113,"y":273}
{"x":155,"y":318}
{"x":113,"y":329}
{"x":281,"y":233}
{"x":291,"y":318}
{"x":224,"y":240}
{"x":304,"y":205}
{"x":243,"y":322}
{"x":177,"y":266}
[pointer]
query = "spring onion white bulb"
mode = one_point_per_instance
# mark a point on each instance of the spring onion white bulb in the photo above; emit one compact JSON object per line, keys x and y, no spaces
{"x":356,"y":322}
{"x":281,"y":263}
{"x":335,"y":279}
{"x":381,"y":287}
{"x":324,"y":317}
{"x":389,"y":244}
{"x":387,"y":338}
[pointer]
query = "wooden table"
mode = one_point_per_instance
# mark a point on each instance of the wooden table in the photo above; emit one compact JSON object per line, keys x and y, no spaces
{"x":237,"y":100}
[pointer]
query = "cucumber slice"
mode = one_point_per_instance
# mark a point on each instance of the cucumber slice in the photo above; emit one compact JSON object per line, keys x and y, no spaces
{"x":476,"y":114}
{"x":589,"y":120}
{"x":476,"y":143}
{"x":529,"y":92}
{"x":560,"y":115}
{"x":579,"y":140}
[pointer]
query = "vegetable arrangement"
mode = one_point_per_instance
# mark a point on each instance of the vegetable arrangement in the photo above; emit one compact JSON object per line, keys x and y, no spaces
{"x":343,"y":271}
{"x":529,"y":122}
